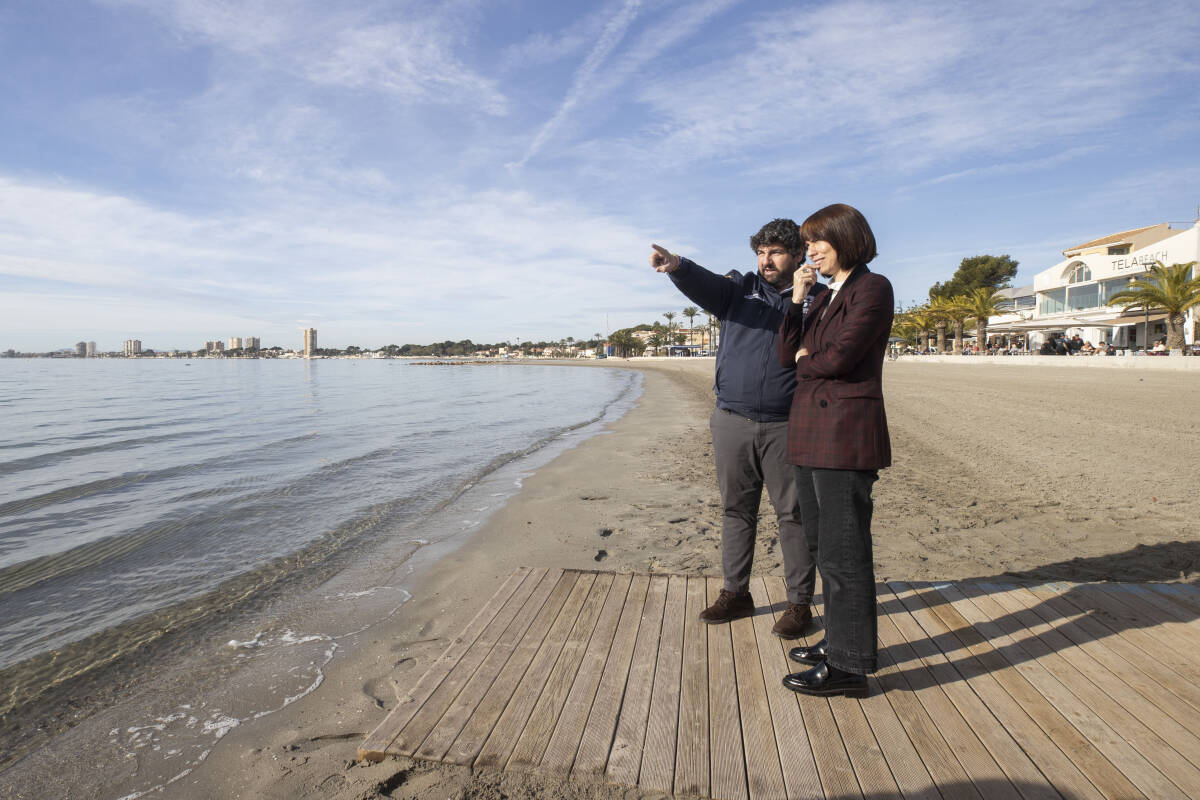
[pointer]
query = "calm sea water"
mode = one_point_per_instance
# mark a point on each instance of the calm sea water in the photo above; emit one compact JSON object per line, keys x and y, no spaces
{"x":131,"y":488}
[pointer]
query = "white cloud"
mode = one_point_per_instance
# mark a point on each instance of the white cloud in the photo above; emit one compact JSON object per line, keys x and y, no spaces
{"x":464,"y":265}
{"x":875,"y":86}
{"x":413,"y":57}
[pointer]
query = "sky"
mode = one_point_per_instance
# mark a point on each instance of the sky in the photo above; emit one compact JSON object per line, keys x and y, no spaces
{"x":395,"y":172}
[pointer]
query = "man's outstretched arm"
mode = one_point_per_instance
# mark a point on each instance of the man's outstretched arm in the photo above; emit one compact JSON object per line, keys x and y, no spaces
{"x":706,"y":289}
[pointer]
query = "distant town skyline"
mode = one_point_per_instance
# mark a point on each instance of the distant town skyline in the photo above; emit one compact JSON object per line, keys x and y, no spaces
{"x":170,"y":169}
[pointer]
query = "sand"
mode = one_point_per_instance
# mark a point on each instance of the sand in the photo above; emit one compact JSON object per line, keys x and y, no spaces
{"x":1001,"y":471}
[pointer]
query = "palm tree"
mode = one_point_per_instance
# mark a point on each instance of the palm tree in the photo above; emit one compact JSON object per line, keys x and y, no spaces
{"x":981,"y":304}
{"x":923,"y":322}
{"x":943,"y":310}
{"x":690,"y":312}
{"x":1173,"y":289}
{"x":712,"y":329}
{"x":957,"y":312}
{"x":670,"y":315}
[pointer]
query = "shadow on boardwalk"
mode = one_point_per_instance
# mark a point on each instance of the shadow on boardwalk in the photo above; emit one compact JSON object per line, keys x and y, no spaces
{"x":989,"y":623}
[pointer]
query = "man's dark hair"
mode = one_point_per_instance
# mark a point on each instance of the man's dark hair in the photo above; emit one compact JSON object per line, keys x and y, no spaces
{"x":782,"y":232}
{"x":846,"y":229}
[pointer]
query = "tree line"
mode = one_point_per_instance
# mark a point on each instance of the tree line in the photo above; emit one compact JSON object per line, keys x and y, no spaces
{"x":972,"y":295}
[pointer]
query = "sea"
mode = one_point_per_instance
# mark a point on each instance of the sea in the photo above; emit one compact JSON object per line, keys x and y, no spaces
{"x":140,"y":498}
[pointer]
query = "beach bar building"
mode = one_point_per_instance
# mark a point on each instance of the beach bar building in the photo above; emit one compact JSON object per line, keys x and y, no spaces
{"x":1072,"y":296}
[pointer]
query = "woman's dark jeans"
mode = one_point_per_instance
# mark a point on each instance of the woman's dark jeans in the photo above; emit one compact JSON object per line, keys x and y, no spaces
{"x":835,"y":507}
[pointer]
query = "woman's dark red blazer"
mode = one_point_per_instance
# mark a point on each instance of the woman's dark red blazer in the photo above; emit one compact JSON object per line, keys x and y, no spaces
{"x":837,"y":419}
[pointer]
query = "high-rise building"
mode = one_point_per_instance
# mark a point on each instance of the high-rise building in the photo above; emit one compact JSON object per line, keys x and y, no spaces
{"x":133,"y":347}
{"x":91,"y":349}
{"x":235,"y":343}
{"x":310,"y":342}
{"x":80,"y":349}
{"x":251,"y":343}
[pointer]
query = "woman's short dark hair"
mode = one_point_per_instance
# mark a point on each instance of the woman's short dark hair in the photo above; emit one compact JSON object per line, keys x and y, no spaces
{"x":783,"y":232}
{"x":846,"y":229}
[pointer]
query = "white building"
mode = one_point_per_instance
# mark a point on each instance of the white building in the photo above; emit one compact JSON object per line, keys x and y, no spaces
{"x":1072,"y":296}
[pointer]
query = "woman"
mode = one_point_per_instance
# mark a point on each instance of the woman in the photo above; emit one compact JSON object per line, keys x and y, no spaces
{"x":838,"y":438}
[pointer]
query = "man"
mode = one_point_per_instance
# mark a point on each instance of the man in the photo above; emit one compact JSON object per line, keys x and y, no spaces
{"x":749,"y":424}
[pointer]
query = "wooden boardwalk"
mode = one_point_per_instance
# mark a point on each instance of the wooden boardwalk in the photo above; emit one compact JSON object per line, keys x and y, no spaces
{"x":984,"y":691}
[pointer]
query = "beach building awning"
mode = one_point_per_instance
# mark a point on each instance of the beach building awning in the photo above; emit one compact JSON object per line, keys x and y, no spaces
{"x":1062,"y":323}
{"x":1123,"y":320}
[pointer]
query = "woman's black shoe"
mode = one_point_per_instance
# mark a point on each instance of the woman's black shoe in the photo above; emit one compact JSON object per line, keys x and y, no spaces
{"x":810,"y":655}
{"x":825,"y":681}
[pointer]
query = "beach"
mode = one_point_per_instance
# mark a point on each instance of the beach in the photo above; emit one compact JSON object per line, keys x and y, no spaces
{"x":1001,"y":471}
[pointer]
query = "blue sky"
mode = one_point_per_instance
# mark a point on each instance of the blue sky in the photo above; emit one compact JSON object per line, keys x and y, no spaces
{"x":391,"y":172}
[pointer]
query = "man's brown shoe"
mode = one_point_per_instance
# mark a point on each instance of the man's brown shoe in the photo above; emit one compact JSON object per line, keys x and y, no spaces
{"x":729,"y":606}
{"x":794,"y":622}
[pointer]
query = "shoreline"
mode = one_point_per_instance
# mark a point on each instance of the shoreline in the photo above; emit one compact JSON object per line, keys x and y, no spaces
{"x":1005,"y":474}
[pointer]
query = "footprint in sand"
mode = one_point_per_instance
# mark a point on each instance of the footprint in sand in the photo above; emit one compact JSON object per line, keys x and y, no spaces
{"x":600,"y":555}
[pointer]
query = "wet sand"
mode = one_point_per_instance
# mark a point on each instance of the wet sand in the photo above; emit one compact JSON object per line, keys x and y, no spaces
{"x":1003,"y":471}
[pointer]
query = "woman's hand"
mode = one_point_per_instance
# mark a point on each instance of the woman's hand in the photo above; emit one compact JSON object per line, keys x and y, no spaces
{"x":806,"y":276}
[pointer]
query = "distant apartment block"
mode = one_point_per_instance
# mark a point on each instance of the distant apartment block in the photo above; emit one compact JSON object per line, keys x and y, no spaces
{"x":310,"y":342}
{"x":214,"y":347}
{"x":235,"y":343}
{"x":132,"y":347}
{"x":80,"y":349}
{"x":252,"y":343}
{"x":91,"y":349}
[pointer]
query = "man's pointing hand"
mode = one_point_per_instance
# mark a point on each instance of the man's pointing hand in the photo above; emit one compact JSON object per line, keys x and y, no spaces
{"x":663,"y":259}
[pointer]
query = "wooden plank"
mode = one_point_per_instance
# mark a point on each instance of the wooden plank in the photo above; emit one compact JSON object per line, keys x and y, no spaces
{"x":1108,"y":761}
{"x":658,"y":752}
{"x":560,"y":753}
{"x":625,"y":757}
{"x":1161,"y":685}
{"x":976,"y":709}
{"x":691,"y":755}
{"x":1145,"y":758}
{"x":479,"y":726}
{"x":918,"y":680}
{"x":829,"y":751}
{"x":1164,"y":615}
{"x":727,"y":776}
{"x":937,"y":756}
{"x":1131,"y":614}
{"x":452,"y":721}
{"x":1177,"y":605}
{"x":764,"y":775}
{"x":1186,"y":595}
{"x":799,"y":768}
{"x":533,"y":740}
{"x":875,"y":778}
{"x":376,"y":745}
{"x":503,"y":738}
{"x":1066,"y":639}
{"x":908,"y":772}
{"x":1129,"y":629}
{"x":594,"y":745}
{"x":1053,"y":744}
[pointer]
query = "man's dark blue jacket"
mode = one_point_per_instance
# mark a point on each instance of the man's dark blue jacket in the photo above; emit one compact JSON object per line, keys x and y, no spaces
{"x":749,"y":381}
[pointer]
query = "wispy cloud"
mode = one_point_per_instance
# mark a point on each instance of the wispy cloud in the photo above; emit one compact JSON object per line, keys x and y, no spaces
{"x":609,"y":38}
{"x":413,"y":57}
{"x":379,"y":266}
{"x":1016,"y":166}
{"x":880,"y":87}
